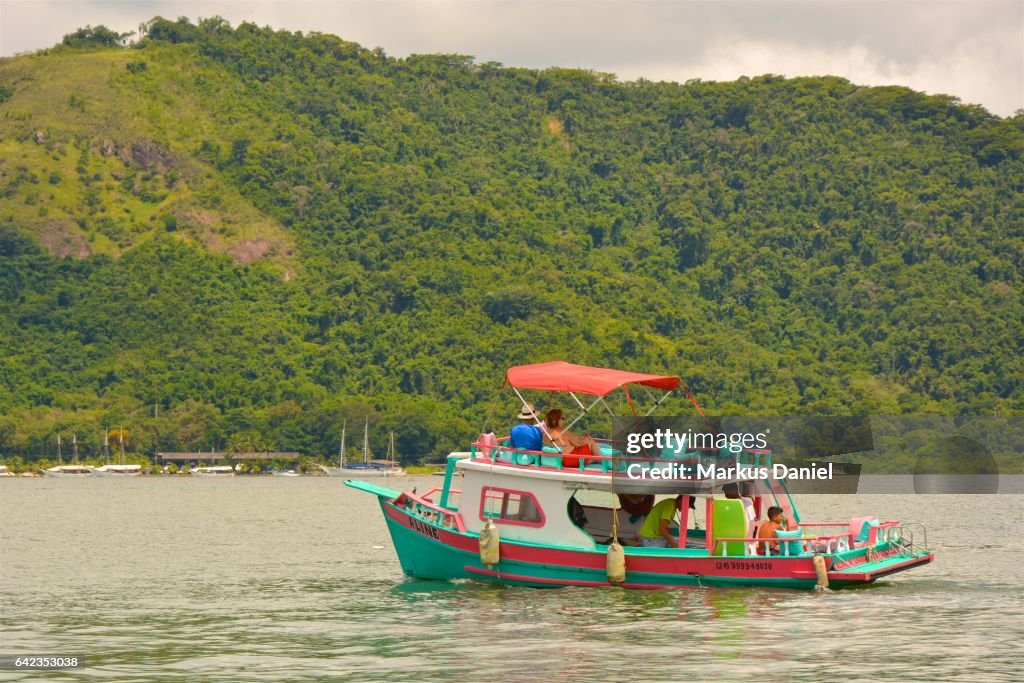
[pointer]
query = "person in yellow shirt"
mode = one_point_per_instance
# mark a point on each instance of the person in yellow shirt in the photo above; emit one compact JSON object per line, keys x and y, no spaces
{"x":654,"y":533}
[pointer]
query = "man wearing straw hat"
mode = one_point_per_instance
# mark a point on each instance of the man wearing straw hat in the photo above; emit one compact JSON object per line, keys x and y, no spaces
{"x":526,"y":435}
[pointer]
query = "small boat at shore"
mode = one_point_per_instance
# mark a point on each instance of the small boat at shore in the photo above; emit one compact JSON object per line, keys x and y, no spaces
{"x":70,"y":471}
{"x":119,"y":471}
{"x":6,"y":472}
{"x":546,"y":518}
{"x":368,"y":468}
{"x":213,"y":471}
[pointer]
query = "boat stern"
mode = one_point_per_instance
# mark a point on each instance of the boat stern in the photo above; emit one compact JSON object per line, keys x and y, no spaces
{"x":865,"y":568}
{"x":894,"y":553}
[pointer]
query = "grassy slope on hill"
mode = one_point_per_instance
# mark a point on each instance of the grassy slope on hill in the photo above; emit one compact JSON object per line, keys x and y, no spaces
{"x":97,"y":159}
{"x":418,"y":225}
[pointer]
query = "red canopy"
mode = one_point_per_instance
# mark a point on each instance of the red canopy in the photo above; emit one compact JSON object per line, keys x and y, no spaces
{"x":561,"y":376}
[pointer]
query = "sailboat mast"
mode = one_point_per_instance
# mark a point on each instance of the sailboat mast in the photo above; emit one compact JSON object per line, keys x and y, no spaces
{"x":120,"y":438}
{"x":341,"y":447}
{"x":60,"y":460}
{"x":366,"y":442}
{"x":106,"y":447}
{"x":74,"y":441}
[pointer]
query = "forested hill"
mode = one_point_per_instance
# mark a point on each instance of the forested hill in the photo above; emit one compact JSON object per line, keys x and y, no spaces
{"x":261,"y":233}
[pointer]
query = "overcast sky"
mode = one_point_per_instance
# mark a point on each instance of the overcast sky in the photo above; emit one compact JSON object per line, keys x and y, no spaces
{"x":972,"y":49}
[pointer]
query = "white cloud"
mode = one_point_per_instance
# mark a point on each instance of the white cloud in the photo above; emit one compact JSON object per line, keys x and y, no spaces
{"x":973,"y":50}
{"x":964,"y":72}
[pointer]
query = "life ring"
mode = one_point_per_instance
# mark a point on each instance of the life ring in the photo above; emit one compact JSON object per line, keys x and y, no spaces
{"x":636,"y":504}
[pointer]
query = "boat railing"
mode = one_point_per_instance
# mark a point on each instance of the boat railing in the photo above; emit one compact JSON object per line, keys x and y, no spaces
{"x":429,"y":494}
{"x":903,"y":536}
{"x":720,"y":546}
{"x":429,"y":511}
{"x":888,"y":531}
{"x":615,"y":463}
{"x":878,"y":533}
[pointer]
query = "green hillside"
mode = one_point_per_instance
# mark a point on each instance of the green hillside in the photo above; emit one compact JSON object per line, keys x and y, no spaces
{"x":260,"y":234}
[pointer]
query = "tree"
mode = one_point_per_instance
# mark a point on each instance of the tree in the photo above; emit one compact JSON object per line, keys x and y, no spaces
{"x":99,"y":36}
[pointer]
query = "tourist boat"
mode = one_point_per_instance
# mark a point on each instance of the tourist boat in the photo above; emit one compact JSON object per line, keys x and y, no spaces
{"x":73,"y":470}
{"x":119,"y":471}
{"x":213,"y":471}
{"x":533,"y":500}
{"x":70,"y":471}
{"x":5,"y":471}
{"x":367,"y":468}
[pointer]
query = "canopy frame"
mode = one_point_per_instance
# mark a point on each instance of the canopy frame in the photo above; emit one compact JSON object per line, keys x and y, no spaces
{"x":598,"y":382}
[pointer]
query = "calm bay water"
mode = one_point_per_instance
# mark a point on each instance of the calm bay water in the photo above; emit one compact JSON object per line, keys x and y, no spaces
{"x":180,"y":579}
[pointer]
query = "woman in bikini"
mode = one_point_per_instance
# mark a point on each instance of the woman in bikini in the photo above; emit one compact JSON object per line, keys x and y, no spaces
{"x":558,"y":436}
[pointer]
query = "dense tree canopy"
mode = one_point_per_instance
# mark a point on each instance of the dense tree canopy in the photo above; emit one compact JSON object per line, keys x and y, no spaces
{"x":239,"y":233}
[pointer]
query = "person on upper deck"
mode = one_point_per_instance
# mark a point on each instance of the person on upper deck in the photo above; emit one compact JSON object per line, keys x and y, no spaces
{"x":732,"y":492}
{"x":558,"y":436}
{"x":526,"y":435}
{"x":654,"y":533}
{"x":767,"y":529}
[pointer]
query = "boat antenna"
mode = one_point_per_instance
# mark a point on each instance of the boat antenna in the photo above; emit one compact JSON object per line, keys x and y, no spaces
{"x":490,"y":411}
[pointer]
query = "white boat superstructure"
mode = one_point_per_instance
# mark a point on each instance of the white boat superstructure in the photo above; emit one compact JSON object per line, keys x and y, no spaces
{"x":119,"y":471}
{"x":213,"y":471}
{"x":5,"y":471}
{"x":70,"y":471}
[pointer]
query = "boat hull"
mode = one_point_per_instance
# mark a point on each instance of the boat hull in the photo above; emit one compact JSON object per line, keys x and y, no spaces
{"x":429,"y":551}
{"x":116,"y":472}
{"x":76,"y":473}
{"x":217,"y":471}
{"x":362,"y":473}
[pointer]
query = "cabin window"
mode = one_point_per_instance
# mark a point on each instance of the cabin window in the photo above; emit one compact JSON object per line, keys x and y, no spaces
{"x":506,"y":506}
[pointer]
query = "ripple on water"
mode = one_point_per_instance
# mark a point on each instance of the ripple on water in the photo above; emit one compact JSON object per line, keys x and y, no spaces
{"x":258,"y":596}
